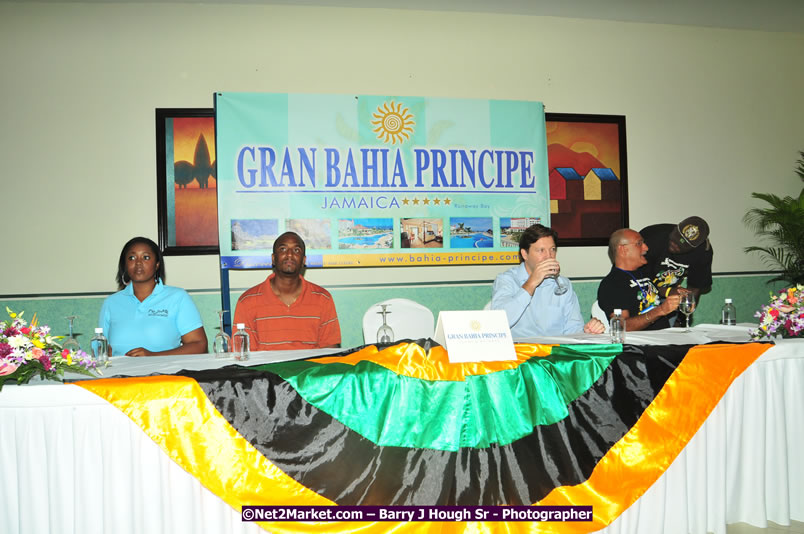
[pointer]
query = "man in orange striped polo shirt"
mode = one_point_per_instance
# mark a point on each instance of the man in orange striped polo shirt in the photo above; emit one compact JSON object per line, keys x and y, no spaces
{"x":287,"y":312}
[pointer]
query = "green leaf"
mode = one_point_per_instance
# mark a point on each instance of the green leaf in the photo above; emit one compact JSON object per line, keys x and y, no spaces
{"x":781,"y":226}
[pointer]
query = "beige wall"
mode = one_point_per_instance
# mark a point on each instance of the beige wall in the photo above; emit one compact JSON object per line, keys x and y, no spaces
{"x":712,"y":115}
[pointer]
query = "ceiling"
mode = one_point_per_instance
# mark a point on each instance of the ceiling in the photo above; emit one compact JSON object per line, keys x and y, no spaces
{"x":764,"y":15}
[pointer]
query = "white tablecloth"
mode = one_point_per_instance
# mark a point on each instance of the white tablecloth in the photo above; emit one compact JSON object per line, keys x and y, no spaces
{"x":72,"y":463}
{"x":745,"y":464}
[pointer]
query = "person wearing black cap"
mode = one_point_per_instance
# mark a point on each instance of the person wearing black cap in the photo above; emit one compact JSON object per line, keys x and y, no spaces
{"x":678,"y":252}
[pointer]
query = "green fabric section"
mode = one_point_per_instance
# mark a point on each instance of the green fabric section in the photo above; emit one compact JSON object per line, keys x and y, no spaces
{"x":401,"y":411}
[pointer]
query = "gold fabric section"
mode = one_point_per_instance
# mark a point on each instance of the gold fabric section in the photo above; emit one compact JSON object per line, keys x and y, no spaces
{"x":410,"y":359}
{"x":176,"y":413}
{"x":635,"y":462}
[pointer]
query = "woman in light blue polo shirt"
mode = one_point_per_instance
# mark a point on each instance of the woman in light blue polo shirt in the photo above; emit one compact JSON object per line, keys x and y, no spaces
{"x":148,"y":318}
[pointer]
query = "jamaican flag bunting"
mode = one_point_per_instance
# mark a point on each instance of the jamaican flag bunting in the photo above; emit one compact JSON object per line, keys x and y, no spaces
{"x":562,"y":425}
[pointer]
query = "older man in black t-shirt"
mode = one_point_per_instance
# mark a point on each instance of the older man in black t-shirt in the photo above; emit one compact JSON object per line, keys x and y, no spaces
{"x":629,"y":287}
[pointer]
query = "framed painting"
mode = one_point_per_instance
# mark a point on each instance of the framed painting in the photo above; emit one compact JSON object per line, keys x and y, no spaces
{"x":186,"y":182}
{"x":587,"y":165}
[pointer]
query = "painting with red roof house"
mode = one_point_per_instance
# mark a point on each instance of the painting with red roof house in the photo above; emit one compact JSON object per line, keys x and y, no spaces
{"x":588,"y":176}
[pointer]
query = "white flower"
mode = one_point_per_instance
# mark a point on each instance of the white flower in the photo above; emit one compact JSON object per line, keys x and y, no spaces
{"x":19,"y":341}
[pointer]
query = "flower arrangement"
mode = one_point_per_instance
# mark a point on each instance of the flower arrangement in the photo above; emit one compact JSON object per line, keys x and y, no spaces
{"x":27,"y":351}
{"x":784,"y":316}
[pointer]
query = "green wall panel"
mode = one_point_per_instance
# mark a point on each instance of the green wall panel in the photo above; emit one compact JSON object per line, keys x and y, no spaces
{"x":748,"y":293}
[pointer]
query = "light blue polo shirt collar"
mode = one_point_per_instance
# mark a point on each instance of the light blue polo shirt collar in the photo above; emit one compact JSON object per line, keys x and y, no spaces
{"x":129,"y":291}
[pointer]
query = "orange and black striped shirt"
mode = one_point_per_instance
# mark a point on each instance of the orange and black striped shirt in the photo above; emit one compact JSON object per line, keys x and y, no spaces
{"x":310,"y":322}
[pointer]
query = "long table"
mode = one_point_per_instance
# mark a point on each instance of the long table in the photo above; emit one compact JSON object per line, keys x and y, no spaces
{"x":72,"y":462}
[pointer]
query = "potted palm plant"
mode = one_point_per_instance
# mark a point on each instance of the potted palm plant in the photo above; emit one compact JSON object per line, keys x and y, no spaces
{"x":780,"y":226}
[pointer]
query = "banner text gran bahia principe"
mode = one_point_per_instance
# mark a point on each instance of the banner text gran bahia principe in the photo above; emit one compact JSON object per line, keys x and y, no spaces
{"x":378,"y":180}
{"x":452,"y":169}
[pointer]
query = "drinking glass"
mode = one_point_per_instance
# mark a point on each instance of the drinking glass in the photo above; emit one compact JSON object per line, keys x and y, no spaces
{"x":222,"y":343}
{"x":384,"y":333}
{"x":70,"y":343}
{"x":687,"y":306}
{"x":561,"y":287}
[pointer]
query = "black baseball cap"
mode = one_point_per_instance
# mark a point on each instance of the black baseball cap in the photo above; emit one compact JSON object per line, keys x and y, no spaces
{"x":690,"y":233}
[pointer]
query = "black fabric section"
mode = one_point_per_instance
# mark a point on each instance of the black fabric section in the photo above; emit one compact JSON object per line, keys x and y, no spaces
{"x":331,"y":459}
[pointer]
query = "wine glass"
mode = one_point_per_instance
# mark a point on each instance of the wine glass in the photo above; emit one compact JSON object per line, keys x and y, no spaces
{"x":222,"y":343}
{"x":70,"y":343}
{"x":384,"y":333}
{"x":561,"y":287}
{"x":687,"y":306}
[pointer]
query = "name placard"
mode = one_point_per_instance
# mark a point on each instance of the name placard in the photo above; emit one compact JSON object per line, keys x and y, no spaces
{"x":475,"y":336}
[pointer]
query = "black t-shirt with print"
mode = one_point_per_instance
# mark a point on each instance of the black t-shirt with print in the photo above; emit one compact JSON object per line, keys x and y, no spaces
{"x":669,"y":269}
{"x":632,"y":291}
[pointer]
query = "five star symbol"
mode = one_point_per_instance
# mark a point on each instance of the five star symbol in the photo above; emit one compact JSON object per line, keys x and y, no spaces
{"x":426,"y":201}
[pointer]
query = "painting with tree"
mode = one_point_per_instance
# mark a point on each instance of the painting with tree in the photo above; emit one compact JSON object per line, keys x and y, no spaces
{"x":186,"y":181}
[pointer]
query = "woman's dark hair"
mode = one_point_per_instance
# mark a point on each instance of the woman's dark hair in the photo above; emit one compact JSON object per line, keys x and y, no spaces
{"x":122,"y":276}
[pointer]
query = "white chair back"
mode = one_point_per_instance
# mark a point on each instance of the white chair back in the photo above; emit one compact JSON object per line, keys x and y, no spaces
{"x":598,"y":313}
{"x":408,"y":319}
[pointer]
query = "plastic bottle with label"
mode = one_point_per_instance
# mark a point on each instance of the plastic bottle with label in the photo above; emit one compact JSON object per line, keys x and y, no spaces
{"x":240,"y":343}
{"x":617,"y":327}
{"x":728,"y":314}
{"x":99,"y":346}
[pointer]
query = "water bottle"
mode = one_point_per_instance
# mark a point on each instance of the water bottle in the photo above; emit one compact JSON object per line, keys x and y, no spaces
{"x":728,"y":314}
{"x":100,"y":347}
{"x":617,"y":327}
{"x":240,"y":343}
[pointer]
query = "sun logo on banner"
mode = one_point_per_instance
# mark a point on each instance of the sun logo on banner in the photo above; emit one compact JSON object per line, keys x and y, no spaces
{"x":393,"y":123}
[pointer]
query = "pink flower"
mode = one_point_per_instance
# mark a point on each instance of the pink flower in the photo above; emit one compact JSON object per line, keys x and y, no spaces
{"x":5,"y":349}
{"x":25,"y":330}
{"x":6,"y":368}
{"x":45,"y":361}
{"x":37,"y":353}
